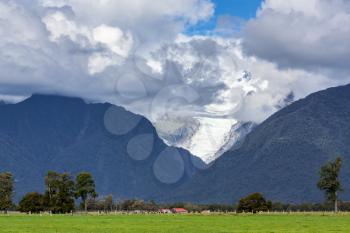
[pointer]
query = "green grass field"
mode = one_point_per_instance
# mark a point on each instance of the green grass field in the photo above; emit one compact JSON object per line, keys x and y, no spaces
{"x":175,"y":223}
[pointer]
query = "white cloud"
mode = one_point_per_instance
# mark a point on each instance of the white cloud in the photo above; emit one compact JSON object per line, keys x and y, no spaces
{"x":114,"y":39}
{"x":151,"y":22}
{"x":310,"y":7}
{"x":77,"y":50}
{"x":311,"y":35}
{"x":59,"y":26}
{"x":114,"y":43}
{"x":232,"y":85}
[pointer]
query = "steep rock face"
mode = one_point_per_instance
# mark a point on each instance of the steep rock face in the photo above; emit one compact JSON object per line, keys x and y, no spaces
{"x":282,"y":157}
{"x":122,"y":150}
{"x":236,"y":137}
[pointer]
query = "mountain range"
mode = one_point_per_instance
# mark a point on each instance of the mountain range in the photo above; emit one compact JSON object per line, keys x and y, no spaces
{"x":280,"y":157}
{"x":122,"y":150}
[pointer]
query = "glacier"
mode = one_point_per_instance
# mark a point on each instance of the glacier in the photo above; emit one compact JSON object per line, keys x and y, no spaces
{"x":205,"y":137}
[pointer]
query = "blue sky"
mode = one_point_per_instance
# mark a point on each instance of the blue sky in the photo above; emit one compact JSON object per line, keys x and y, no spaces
{"x":244,"y":9}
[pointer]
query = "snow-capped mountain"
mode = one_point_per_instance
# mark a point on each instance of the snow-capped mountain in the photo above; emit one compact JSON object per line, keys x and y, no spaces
{"x":176,"y":130}
{"x":236,"y":137}
{"x":207,"y":138}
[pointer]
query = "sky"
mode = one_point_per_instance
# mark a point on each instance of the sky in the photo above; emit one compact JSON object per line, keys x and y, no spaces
{"x":243,"y":9}
{"x":176,"y":61}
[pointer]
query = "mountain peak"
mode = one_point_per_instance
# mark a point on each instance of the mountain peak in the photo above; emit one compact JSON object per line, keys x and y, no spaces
{"x":282,"y":156}
{"x":121,"y":149}
{"x":46,"y":98}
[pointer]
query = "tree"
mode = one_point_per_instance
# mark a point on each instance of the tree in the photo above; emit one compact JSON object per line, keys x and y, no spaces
{"x":6,"y":191}
{"x":329,"y":181}
{"x":66,"y":193}
{"x":52,"y":180}
{"x":59,"y":194}
{"x":253,"y":203}
{"x":108,"y":203}
{"x":85,"y":188}
{"x":32,"y":202}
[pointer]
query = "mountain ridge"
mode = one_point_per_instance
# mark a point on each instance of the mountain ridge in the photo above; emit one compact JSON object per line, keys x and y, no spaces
{"x":49,"y":132}
{"x":282,"y":156}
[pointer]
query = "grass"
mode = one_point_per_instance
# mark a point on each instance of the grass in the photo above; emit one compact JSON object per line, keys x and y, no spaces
{"x":297,"y":223}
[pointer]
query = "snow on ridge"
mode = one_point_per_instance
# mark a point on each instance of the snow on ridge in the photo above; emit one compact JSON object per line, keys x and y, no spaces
{"x":207,"y":138}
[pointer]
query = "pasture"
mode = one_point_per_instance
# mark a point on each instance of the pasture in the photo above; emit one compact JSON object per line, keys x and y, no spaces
{"x":247,"y":223}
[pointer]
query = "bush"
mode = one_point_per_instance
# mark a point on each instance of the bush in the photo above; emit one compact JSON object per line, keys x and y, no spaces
{"x":130,"y":205}
{"x":253,"y":203}
{"x":32,"y":202}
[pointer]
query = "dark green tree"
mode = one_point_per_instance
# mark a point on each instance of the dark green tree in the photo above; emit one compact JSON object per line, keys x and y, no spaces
{"x":85,"y":188}
{"x":52,"y":180}
{"x":32,"y":202}
{"x":6,"y":191}
{"x":59,"y":195}
{"x":66,"y":193}
{"x":329,"y":181}
{"x":254,"y":203}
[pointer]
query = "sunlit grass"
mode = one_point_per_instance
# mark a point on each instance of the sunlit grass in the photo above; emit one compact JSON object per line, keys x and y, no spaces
{"x":302,"y":222}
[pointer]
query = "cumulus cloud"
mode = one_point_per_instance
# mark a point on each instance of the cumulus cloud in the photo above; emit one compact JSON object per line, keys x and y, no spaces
{"x":230,"y":84}
{"x":151,"y":22}
{"x":111,"y":44}
{"x":312,"y":35}
{"x":58,"y":46}
{"x":63,"y":45}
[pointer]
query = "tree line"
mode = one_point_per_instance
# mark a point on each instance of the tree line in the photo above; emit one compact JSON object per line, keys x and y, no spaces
{"x":328,"y":182}
{"x":61,"y":193}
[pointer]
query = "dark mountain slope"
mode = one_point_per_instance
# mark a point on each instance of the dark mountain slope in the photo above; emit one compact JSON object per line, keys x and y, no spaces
{"x":122,"y":150}
{"x":282,"y":156}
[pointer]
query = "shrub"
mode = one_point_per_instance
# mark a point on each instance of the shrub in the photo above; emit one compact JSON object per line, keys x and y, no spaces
{"x":32,"y":202}
{"x":253,"y":203}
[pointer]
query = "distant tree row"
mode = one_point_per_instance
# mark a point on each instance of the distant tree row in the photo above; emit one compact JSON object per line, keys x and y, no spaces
{"x":61,"y":191}
{"x":253,"y":203}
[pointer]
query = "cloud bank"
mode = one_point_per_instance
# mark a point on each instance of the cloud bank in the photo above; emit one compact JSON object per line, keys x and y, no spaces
{"x":311,"y":35}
